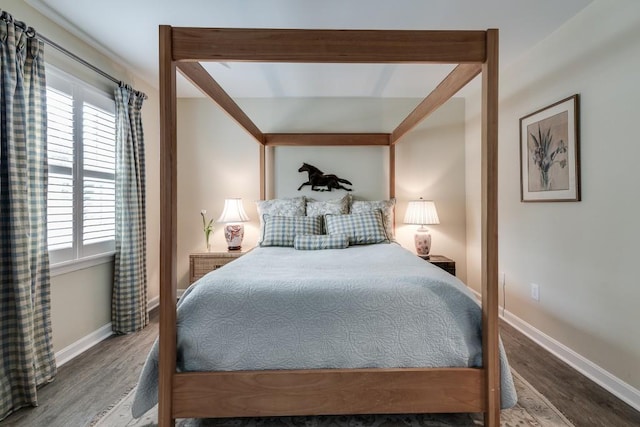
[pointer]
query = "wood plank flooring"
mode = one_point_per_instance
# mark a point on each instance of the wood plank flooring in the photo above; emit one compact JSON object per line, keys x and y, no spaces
{"x":582,"y":401}
{"x":90,"y":383}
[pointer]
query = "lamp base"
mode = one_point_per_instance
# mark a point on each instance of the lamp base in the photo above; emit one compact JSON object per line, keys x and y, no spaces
{"x":234,"y":233}
{"x":422,"y":240}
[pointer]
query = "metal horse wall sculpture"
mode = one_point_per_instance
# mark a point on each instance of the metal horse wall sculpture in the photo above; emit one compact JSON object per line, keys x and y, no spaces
{"x":318,"y":179}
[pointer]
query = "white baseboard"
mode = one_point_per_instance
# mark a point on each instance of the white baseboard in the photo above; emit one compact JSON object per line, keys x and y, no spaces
{"x":83,"y":344}
{"x":153,"y":303}
{"x":595,"y":373}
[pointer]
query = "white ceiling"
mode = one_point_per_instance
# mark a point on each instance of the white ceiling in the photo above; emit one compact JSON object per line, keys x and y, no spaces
{"x":127,"y":31}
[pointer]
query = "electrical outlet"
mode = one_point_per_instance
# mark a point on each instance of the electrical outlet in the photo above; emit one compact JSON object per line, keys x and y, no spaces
{"x":535,"y":292}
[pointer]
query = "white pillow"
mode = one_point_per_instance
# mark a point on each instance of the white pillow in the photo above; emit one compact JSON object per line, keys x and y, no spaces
{"x":333,"y":207}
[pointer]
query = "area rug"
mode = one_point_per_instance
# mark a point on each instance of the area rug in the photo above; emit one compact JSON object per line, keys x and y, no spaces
{"x":532,"y":409}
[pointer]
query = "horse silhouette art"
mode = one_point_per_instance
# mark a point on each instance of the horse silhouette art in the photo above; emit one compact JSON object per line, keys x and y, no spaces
{"x":318,"y":179}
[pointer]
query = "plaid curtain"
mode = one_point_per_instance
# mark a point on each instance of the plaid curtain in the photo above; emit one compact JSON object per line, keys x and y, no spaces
{"x":129,"y":300}
{"x":25,"y":324}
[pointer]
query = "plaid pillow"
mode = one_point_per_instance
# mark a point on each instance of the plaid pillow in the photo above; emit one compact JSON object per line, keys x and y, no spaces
{"x":363,"y":228}
{"x":385,"y":206}
{"x":280,"y":207}
{"x":282,"y":230}
{"x":308,"y":242}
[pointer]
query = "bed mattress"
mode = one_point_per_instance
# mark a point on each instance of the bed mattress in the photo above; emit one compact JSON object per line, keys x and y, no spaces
{"x":372,"y":306}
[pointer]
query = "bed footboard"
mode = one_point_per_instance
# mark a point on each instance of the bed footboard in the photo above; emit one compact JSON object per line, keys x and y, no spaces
{"x":327,"y":392}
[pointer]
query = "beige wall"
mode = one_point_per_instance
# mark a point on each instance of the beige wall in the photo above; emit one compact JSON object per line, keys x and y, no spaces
{"x":81,"y":300}
{"x":582,"y":255}
{"x":80,"y":303}
{"x":430,"y":163}
{"x":217,"y":159}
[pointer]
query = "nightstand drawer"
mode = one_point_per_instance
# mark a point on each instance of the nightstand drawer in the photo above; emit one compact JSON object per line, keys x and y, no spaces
{"x":443,"y":262}
{"x":202,"y":263}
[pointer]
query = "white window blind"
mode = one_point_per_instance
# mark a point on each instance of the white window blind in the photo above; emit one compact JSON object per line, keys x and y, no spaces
{"x":60,"y":153}
{"x":99,"y":161}
{"x":81,"y":150}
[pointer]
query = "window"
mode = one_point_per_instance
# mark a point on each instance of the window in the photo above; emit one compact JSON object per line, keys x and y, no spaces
{"x":81,"y":151}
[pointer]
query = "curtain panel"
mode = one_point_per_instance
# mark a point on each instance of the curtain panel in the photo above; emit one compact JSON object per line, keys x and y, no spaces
{"x":129,"y":300}
{"x":25,"y":304}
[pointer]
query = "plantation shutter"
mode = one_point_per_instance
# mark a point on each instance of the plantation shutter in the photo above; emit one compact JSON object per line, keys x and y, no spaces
{"x":60,"y":206}
{"x":98,"y":175}
{"x":81,"y":152}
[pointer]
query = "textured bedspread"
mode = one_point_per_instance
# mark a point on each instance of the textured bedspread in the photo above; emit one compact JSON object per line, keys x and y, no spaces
{"x":365,"y":306}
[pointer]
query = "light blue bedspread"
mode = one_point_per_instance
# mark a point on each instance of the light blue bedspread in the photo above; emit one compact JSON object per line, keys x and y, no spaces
{"x":361,"y":307}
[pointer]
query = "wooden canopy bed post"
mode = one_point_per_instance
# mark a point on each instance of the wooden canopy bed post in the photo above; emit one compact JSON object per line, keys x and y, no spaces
{"x":328,"y":391}
{"x":489,"y":160}
{"x":168,"y":228}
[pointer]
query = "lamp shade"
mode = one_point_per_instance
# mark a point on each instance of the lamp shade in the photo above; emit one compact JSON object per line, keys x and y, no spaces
{"x":233,"y":211}
{"x":421,"y":212}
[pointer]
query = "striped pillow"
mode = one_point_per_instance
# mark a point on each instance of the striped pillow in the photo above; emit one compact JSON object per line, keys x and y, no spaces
{"x":282,"y":230}
{"x":308,"y":242}
{"x":362,"y":229}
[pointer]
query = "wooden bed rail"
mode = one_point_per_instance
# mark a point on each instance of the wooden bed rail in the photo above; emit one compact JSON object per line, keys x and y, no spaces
{"x":340,"y":391}
{"x":327,"y":392}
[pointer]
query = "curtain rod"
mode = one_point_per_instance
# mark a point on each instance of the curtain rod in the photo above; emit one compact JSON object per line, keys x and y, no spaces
{"x":87,"y":64}
{"x":30,"y":32}
{"x":78,"y":59}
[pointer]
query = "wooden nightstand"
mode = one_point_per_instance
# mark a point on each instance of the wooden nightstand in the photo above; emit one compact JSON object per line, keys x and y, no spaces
{"x":443,"y":262}
{"x":201,"y":263}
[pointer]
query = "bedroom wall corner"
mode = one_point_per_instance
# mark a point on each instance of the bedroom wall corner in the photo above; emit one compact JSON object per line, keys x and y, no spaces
{"x":217,"y":159}
{"x":581,"y":254}
{"x":430,"y":163}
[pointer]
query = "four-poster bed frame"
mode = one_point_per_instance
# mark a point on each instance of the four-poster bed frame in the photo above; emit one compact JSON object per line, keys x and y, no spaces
{"x":328,"y":391}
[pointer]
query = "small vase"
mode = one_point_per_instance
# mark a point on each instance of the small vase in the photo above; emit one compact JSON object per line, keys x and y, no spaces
{"x":207,"y":243}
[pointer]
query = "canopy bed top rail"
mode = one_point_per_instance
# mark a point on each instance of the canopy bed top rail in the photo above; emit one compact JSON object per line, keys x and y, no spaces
{"x":326,"y":139}
{"x":333,"y":46}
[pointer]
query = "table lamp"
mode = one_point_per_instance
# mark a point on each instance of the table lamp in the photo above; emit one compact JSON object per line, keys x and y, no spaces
{"x":422,"y":212}
{"x":233,"y":215}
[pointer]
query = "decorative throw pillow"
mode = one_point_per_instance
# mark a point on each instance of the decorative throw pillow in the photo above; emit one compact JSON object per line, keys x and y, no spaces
{"x":362,"y":228}
{"x":329,"y":207}
{"x":282,"y":230}
{"x":279,"y":207}
{"x":385,"y":206}
{"x":308,"y":242}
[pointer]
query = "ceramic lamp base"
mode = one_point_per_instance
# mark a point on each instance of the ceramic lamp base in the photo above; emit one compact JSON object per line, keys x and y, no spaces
{"x":423,"y":242}
{"x":234,"y":233}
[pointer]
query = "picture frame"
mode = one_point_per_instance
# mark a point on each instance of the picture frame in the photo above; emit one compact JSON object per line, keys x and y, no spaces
{"x":550,"y":153}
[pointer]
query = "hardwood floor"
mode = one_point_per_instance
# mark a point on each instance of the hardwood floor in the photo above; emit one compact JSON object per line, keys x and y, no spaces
{"x":88,"y":384}
{"x":582,"y":401}
{"x":91,"y":382}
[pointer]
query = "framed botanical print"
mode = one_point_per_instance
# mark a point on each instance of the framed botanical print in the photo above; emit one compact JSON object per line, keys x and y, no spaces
{"x":550,"y":153}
